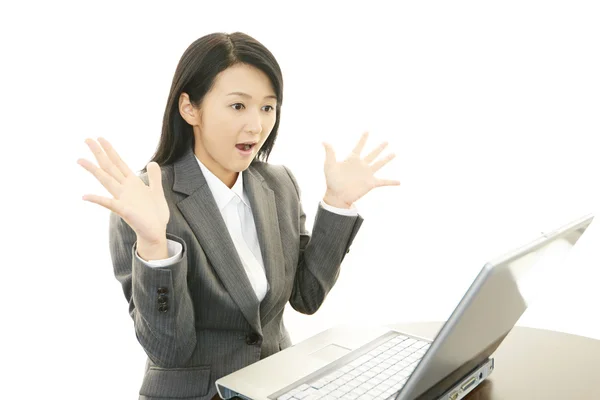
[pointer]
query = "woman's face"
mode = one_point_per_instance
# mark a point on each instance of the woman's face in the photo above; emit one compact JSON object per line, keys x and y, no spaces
{"x":238,"y":110}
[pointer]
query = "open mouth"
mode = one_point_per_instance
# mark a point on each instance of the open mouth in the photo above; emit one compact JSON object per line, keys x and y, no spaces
{"x":245,"y":146}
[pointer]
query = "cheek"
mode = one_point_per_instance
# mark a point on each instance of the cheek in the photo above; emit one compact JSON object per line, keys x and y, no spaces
{"x":268,"y":127}
{"x":220,"y":133}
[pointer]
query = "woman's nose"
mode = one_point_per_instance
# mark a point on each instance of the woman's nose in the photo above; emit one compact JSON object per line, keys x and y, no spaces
{"x":254,"y":123}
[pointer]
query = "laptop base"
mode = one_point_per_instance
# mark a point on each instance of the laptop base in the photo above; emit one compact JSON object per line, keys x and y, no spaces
{"x":469,"y":382}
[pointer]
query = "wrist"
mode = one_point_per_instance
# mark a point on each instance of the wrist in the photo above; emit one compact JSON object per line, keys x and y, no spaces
{"x":152,"y":250}
{"x":335,"y":201}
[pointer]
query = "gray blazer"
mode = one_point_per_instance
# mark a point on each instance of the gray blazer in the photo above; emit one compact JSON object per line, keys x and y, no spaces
{"x":199,"y":319}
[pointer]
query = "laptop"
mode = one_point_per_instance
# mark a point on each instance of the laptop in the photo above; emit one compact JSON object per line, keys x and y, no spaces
{"x":379,"y":363}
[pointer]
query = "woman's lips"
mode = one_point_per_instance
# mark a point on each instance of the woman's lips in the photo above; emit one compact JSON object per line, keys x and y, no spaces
{"x":244,"y":149}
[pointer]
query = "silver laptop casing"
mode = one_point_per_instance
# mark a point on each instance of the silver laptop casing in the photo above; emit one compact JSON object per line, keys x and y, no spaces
{"x":485,"y":315}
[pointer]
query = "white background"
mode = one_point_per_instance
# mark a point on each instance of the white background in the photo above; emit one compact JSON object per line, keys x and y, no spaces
{"x":492,"y":110}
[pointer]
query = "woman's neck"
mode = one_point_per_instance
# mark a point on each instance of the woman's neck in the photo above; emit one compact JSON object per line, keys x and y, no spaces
{"x":224,"y":175}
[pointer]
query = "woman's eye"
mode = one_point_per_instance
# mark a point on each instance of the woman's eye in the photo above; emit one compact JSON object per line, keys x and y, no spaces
{"x":240,"y":106}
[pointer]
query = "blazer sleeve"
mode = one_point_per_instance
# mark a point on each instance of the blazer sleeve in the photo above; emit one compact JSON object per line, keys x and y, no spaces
{"x":320,"y":254}
{"x":159,"y":300}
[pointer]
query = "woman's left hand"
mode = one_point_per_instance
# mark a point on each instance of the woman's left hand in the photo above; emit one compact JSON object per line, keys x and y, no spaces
{"x":349,"y":180}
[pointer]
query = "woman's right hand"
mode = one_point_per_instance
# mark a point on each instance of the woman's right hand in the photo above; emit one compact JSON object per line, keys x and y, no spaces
{"x":143,"y":207}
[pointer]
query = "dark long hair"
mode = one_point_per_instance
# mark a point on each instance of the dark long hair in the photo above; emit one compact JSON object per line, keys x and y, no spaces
{"x":195,"y":75}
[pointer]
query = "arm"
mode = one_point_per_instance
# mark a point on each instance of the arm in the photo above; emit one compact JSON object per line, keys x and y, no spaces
{"x":168,"y":336}
{"x":321,"y":255}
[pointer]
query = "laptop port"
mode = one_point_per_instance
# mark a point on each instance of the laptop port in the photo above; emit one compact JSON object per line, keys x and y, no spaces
{"x":469,"y":383}
{"x":454,"y":396}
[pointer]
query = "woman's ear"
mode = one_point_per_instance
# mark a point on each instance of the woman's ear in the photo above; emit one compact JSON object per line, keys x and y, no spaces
{"x":187,"y":110}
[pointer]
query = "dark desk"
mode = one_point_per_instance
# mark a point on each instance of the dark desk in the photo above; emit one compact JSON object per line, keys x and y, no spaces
{"x":535,"y":364}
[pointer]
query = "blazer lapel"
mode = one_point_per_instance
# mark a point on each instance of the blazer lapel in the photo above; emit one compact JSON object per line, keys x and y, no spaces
{"x":264,"y":209}
{"x":204,"y":217}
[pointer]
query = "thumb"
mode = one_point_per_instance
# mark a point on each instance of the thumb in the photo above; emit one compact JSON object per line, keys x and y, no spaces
{"x":154,"y":176}
{"x":329,"y":154}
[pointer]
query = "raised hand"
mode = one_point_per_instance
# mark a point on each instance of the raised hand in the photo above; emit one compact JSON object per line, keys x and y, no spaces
{"x":352,"y":178}
{"x":143,"y":207}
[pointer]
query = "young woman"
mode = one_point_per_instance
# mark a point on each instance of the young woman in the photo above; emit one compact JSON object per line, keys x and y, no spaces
{"x":209,"y":242}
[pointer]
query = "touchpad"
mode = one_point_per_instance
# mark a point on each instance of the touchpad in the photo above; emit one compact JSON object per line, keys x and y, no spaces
{"x":330,"y":353}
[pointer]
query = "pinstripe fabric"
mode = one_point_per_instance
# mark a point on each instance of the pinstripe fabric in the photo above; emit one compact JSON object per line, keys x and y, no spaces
{"x":212,"y":308}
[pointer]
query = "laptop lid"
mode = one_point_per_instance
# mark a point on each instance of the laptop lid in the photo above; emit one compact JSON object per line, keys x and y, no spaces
{"x":488,"y":311}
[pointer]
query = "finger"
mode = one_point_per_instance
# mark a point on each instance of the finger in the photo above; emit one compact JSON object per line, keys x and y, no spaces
{"x":115,"y":158}
{"x":377,"y":166}
{"x":386,"y":182}
{"x":361,"y":144}
{"x":105,"y":202}
{"x":329,"y":154}
{"x":373,"y":155}
{"x":105,"y":179}
{"x":154,"y":176}
{"x":104,"y":162}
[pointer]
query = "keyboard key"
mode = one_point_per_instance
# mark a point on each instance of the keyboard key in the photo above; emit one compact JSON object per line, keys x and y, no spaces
{"x":319,"y":384}
{"x":330,"y":387}
{"x":301,"y":395}
{"x":337,"y":394}
{"x":360,"y":360}
{"x":313,"y":396}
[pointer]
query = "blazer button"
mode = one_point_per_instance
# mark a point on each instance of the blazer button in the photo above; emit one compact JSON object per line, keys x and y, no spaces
{"x":162,"y":290}
{"x":163,"y":308}
{"x":162,"y":299}
{"x":252,"y":339}
{"x":348,"y":251}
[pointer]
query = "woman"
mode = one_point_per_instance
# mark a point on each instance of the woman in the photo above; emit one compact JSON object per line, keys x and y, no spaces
{"x":209,"y":243}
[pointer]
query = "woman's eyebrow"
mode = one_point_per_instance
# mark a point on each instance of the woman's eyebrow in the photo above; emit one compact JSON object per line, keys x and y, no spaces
{"x":247,"y":95}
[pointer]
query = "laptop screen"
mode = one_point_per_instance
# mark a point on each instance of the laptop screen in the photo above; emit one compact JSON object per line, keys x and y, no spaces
{"x":488,"y":311}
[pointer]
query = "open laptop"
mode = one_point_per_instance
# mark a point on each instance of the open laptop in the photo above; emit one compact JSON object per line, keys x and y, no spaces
{"x":384,"y":364}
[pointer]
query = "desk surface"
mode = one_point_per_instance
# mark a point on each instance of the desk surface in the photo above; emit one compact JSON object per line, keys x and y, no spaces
{"x":535,"y":364}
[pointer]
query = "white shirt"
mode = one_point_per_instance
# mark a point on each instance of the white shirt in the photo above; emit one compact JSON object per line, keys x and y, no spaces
{"x":237,"y":214}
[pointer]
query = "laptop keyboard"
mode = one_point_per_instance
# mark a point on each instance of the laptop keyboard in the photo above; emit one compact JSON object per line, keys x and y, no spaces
{"x":376,"y":375}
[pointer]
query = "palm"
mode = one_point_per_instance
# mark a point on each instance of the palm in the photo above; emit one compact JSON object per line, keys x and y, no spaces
{"x":143,"y":207}
{"x":352,"y":178}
